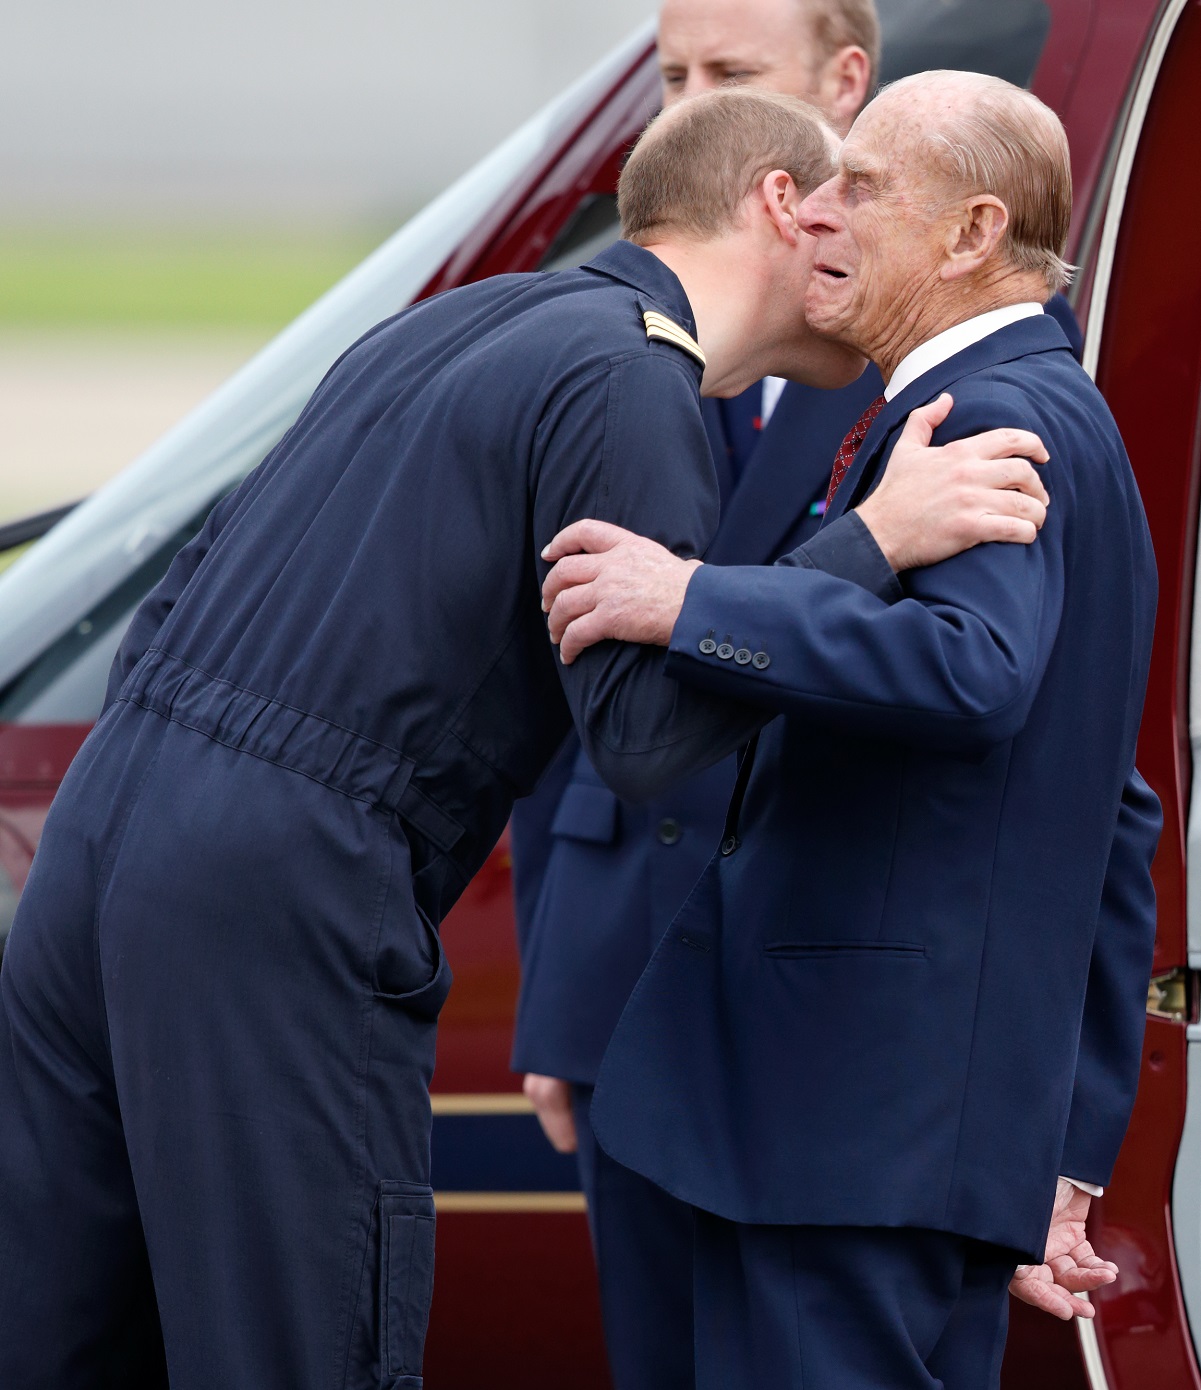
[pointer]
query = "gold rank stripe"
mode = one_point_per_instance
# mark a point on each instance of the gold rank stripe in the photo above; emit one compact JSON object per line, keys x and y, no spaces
{"x":486,"y":1103}
{"x":509,"y":1201}
{"x":660,"y":326}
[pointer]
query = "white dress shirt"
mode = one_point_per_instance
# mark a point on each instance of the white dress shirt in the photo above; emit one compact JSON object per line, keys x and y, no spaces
{"x":773,"y":388}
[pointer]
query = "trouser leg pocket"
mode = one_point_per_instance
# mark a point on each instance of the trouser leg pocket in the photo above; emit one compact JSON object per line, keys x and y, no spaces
{"x":406,"y":1280}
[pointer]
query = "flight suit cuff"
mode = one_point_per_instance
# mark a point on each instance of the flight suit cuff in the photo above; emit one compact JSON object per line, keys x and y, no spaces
{"x":847,"y":549}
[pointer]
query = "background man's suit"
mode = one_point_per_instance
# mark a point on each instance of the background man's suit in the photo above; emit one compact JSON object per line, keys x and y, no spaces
{"x":867,"y":1013}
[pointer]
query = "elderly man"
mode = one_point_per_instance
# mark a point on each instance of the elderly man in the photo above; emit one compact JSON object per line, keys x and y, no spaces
{"x":219,"y":1000}
{"x":908,"y":992}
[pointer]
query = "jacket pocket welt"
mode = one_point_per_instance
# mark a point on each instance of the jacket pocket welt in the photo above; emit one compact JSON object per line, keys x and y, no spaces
{"x":815,"y":950}
{"x":587,"y":813}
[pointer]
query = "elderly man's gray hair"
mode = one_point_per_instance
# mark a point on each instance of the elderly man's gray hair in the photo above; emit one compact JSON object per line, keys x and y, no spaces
{"x":1008,"y":143}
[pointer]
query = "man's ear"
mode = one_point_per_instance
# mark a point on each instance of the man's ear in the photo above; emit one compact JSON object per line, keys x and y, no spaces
{"x":841,"y":87}
{"x":779,"y":197}
{"x":974,"y":235}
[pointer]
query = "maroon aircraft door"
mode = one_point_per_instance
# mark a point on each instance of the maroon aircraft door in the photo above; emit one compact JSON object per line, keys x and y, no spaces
{"x":1145,"y":341}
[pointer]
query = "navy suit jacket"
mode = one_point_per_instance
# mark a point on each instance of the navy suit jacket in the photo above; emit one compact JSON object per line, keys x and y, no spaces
{"x":868,"y":1011}
{"x":597,"y":878}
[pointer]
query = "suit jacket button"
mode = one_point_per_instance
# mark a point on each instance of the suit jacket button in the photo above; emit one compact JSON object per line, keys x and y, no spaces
{"x":761,"y":661}
{"x":742,"y":656}
{"x":725,"y":652}
{"x":669,"y":831}
{"x":708,"y":646}
{"x":729,"y":845}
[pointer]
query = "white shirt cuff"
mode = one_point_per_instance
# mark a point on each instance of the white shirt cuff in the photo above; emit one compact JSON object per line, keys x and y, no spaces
{"x":1090,"y":1187}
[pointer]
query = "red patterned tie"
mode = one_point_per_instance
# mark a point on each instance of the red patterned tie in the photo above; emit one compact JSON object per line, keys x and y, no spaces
{"x":850,"y":447}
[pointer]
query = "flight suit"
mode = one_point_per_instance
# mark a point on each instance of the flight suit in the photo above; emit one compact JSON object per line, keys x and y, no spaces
{"x":219,"y":999}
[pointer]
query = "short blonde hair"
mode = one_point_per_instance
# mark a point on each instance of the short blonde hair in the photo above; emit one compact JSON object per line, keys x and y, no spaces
{"x":1009,"y":144}
{"x":697,"y":162}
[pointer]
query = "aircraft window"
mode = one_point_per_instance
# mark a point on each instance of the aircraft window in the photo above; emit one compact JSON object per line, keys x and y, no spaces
{"x":65,"y":684}
{"x":1005,"y":40}
{"x":590,"y":228}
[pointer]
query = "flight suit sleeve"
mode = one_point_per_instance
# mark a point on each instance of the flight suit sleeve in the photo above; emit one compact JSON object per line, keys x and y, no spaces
{"x":846,"y":549}
{"x":1111,"y":1032}
{"x":955,"y":666}
{"x":626,"y":444}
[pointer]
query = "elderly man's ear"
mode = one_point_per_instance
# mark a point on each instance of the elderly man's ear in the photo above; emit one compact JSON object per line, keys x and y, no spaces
{"x":974,"y":235}
{"x":782,"y":201}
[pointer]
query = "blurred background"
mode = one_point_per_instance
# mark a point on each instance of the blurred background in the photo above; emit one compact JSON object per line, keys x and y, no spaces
{"x":179,"y":179}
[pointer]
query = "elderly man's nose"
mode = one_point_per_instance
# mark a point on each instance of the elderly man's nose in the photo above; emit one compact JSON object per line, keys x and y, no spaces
{"x":819,"y":211}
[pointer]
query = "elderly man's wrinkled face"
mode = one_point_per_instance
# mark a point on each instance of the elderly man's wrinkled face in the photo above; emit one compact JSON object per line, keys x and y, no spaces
{"x":709,"y":43}
{"x":880,"y":239}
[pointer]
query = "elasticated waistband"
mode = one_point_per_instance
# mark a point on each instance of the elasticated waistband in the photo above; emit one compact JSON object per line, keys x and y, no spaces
{"x":251,"y":723}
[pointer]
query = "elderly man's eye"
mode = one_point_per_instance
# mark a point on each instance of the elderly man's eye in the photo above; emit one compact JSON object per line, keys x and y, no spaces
{"x":736,"y":75}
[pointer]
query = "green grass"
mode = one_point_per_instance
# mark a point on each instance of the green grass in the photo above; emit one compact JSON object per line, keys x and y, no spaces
{"x":168,"y":279}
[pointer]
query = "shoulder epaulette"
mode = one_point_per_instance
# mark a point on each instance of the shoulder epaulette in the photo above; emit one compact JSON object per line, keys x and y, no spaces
{"x":660,"y":326}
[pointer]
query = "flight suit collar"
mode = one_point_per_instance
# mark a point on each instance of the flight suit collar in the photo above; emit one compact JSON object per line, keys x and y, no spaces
{"x":646,"y":273}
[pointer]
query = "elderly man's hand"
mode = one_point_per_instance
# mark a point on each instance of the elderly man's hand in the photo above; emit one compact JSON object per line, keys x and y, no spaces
{"x":551,"y":1099}
{"x":1072,"y":1267}
{"x":624,"y":586}
{"x":934,"y":503}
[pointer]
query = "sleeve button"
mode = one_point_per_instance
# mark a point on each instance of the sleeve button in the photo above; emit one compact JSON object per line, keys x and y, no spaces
{"x":725,"y":652}
{"x":761,"y":661}
{"x":742,"y":656}
{"x":708,"y":646}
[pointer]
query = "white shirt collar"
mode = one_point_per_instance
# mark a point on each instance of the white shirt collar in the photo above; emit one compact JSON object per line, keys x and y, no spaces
{"x":928,"y":355}
{"x":773,"y":389}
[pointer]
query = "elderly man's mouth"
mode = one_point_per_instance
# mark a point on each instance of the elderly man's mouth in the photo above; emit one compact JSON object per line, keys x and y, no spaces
{"x":829,"y":270}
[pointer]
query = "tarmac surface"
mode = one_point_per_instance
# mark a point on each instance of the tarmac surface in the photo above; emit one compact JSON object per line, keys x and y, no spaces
{"x":77,"y":406}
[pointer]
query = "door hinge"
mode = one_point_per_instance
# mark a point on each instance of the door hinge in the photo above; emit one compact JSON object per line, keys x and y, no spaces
{"x":1171,"y":996}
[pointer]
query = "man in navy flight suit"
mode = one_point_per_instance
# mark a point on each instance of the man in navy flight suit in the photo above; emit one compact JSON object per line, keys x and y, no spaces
{"x":909,"y":989}
{"x":219,"y":998}
{"x":597,"y":878}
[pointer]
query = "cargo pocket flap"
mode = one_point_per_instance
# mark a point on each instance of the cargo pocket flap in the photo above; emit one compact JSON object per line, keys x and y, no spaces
{"x":406,"y":1276}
